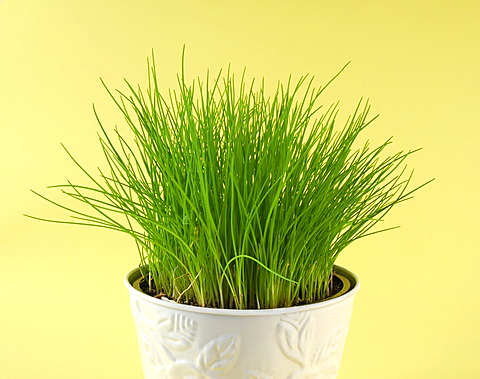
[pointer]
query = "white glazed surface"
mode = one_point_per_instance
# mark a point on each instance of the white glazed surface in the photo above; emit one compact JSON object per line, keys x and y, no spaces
{"x":180,"y":341}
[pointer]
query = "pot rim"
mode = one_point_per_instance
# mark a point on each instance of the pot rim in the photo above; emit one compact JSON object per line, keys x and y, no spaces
{"x":135,"y":274}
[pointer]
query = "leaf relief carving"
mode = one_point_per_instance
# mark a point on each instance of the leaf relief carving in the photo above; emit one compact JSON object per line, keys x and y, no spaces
{"x":214,"y":360}
{"x":219,"y":355}
{"x":293,"y":337}
{"x":178,"y":332}
{"x":325,"y":356}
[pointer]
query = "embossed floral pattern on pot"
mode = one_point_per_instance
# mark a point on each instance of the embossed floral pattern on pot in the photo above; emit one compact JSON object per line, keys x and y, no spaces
{"x":182,"y":341}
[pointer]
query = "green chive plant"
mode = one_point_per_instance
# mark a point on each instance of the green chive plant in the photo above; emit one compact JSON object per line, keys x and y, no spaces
{"x":237,"y":199}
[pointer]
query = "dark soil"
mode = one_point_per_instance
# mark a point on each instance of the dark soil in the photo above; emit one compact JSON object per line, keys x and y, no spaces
{"x":335,"y":287}
{"x":151,"y":290}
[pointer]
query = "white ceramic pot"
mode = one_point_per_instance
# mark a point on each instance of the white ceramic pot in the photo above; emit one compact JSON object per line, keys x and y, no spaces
{"x":183,"y":341}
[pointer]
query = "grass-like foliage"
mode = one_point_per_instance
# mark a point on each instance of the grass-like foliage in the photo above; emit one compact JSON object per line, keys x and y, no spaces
{"x":237,"y":199}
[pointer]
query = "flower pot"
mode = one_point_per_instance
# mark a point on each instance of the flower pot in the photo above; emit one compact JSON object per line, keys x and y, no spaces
{"x":183,"y":341}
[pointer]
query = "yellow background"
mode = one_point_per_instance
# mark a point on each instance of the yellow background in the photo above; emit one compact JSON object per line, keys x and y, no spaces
{"x":64,"y":310}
